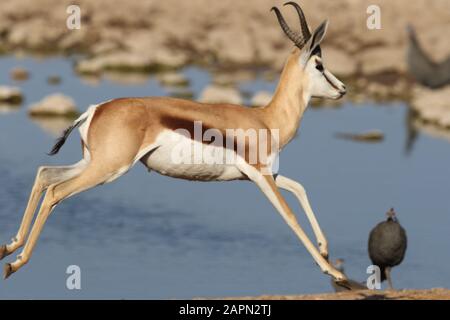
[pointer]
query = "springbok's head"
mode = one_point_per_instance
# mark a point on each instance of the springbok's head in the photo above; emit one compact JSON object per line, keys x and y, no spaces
{"x":320,"y":82}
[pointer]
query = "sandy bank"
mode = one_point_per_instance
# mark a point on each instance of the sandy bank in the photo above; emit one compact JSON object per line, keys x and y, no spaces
{"x":229,"y":33}
{"x":410,"y":294}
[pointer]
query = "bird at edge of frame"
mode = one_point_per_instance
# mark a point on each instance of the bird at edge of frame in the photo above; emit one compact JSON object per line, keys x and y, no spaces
{"x":427,"y":72}
{"x":387,"y":246}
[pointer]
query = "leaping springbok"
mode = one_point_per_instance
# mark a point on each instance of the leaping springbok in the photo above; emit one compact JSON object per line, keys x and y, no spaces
{"x":118,"y":133}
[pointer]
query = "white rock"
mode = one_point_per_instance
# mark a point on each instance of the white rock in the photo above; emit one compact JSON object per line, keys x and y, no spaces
{"x":261,"y":98}
{"x":233,"y":78}
{"x":91,"y":66}
{"x":34,"y":34}
{"x":54,"y":105}
{"x":166,"y":58}
{"x":218,"y":94}
{"x":10,"y":95}
{"x":132,"y":61}
{"x":104,"y":47}
{"x":172,"y":79}
{"x":114,"y":61}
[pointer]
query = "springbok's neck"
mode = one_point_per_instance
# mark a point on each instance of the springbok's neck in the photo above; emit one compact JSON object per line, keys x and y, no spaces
{"x":289,"y":102}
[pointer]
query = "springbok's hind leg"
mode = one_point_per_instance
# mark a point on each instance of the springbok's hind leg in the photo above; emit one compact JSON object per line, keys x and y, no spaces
{"x":44,"y":178}
{"x":89,"y":178}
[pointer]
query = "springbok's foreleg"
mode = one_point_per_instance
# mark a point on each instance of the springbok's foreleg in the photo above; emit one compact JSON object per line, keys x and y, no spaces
{"x":44,"y":178}
{"x":300,"y":193}
{"x":268,"y":186}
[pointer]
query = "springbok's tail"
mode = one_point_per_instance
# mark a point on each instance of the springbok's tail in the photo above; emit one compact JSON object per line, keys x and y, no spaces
{"x":61,"y":140}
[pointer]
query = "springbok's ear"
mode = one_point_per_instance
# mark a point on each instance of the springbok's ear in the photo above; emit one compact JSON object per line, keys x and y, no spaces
{"x":312,"y":46}
{"x":317,"y":36}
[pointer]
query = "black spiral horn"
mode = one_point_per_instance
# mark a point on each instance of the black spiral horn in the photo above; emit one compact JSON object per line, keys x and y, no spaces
{"x":293,"y":36}
{"x":303,"y":23}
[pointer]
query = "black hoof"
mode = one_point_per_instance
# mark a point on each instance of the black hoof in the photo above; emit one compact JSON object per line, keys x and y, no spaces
{"x":349,"y":285}
{"x":7,"y":271}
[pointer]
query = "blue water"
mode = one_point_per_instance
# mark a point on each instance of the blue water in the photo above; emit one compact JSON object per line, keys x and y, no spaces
{"x":149,"y":236}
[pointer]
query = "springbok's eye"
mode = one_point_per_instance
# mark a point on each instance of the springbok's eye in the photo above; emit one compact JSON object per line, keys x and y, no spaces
{"x":319,"y":67}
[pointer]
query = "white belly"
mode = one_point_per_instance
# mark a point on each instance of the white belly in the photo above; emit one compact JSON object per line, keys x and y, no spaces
{"x":180,"y":157}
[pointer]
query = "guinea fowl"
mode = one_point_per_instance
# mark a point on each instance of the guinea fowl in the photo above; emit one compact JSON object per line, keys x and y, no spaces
{"x":425,"y":71}
{"x":387,"y":245}
{"x":351,"y":284}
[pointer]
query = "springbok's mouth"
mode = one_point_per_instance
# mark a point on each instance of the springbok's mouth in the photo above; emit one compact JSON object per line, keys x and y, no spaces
{"x":340,"y":95}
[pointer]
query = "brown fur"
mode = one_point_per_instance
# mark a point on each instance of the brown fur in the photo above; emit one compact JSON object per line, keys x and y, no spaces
{"x":134,"y":123}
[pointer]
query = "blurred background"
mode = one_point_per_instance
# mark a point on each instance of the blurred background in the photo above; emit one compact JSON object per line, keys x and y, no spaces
{"x":148,"y":236}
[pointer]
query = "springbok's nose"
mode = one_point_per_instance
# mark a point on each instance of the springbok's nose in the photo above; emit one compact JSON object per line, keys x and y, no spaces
{"x":343,"y":90}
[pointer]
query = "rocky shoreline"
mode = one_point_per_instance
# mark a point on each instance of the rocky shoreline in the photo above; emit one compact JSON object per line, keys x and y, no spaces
{"x":410,"y":294}
{"x":230,"y":37}
{"x":233,"y":34}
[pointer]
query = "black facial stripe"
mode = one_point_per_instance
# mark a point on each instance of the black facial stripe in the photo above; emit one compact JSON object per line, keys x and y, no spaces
{"x":331,"y":83}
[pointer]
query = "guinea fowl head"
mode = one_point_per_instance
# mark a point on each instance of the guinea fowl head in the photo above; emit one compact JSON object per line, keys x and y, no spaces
{"x":391,"y":215}
{"x":410,"y":31}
